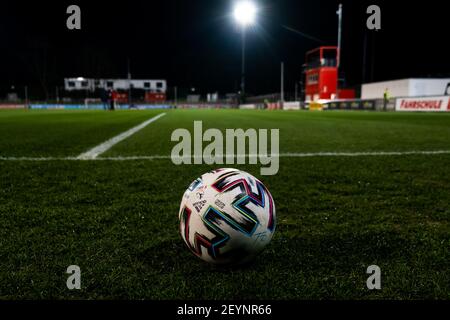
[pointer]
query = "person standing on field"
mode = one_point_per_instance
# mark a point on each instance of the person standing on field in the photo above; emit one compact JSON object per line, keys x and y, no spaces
{"x":113,"y":99}
{"x":104,"y":96}
{"x":386,"y":98}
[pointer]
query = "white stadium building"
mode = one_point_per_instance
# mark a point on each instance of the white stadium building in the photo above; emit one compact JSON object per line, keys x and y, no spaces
{"x":85,"y":84}
{"x":413,"y":87}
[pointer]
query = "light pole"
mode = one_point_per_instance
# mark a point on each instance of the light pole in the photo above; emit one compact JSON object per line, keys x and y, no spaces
{"x":339,"y":50}
{"x":245,"y":15}
{"x":129,"y":81}
{"x":26,"y":97}
{"x":243,"y":62}
{"x":282,"y":86}
{"x":339,"y":13}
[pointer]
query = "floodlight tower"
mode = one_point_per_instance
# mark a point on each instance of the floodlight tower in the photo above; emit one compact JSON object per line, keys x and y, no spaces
{"x":245,"y":15}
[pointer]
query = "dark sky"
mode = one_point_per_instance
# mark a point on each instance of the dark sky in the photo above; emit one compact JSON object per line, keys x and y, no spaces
{"x":195,"y":43}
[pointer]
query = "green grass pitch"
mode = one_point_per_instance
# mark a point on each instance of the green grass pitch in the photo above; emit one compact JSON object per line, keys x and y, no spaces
{"x":118,"y":220}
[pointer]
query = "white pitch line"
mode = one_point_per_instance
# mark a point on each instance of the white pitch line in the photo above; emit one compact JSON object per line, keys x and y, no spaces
{"x":105,"y":146}
{"x":362,"y":154}
{"x":283,"y":155}
{"x":298,"y":155}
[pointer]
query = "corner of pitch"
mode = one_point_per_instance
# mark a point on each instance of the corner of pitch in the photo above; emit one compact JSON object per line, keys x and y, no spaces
{"x":236,"y":147}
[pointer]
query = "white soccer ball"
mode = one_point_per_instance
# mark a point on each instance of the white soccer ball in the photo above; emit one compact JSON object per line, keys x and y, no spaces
{"x":227,"y":216}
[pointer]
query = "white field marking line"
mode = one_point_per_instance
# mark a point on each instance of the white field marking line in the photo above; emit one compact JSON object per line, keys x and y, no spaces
{"x":105,"y":146}
{"x":283,"y":155}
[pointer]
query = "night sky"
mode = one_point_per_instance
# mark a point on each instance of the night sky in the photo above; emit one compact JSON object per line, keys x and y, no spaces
{"x":195,"y":43}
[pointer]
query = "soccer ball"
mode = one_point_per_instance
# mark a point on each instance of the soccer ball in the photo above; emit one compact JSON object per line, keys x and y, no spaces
{"x":227,"y":216}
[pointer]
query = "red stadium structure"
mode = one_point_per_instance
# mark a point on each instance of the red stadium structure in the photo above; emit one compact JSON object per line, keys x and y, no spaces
{"x":153,"y":97}
{"x":321,"y":71}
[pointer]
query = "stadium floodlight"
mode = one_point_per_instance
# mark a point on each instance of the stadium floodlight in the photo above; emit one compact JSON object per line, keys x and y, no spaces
{"x":245,"y":13}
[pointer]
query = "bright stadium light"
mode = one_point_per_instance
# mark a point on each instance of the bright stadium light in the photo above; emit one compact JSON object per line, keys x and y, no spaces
{"x":245,"y":13}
